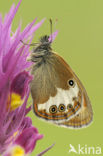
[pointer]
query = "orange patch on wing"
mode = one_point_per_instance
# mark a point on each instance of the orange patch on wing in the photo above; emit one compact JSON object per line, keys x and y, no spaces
{"x":85,"y":102}
{"x":84,"y":117}
{"x":75,"y":122}
{"x":58,"y":115}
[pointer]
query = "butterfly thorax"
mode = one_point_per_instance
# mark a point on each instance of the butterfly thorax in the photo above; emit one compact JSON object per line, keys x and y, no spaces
{"x":42,"y":50}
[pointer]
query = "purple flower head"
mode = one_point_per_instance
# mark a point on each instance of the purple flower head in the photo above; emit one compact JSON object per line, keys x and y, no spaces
{"x":15,"y":128}
{"x":28,"y":138}
{"x":14,"y":87}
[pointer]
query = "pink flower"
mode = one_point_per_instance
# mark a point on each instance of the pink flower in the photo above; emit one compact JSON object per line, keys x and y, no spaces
{"x":17,"y":135}
{"x":14,"y":87}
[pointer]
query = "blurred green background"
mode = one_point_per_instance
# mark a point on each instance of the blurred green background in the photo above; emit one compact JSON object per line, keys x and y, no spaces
{"x":80,"y":42}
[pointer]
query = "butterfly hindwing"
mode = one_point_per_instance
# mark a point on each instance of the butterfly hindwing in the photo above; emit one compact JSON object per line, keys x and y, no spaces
{"x":82,"y":118}
{"x":58,"y":95}
{"x":59,"y":108}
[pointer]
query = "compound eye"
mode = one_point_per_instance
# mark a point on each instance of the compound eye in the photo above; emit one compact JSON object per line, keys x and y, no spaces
{"x":53,"y":109}
{"x":61,"y":108}
{"x":71,"y":83}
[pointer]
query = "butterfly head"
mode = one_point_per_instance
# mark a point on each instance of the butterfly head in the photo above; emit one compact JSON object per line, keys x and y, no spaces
{"x":41,"y":50}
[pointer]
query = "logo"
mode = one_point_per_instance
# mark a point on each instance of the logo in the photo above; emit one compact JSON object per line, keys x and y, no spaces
{"x":97,"y":150}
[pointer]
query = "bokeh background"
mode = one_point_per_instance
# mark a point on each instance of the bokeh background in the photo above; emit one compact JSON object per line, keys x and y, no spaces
{"x":80,"y":42}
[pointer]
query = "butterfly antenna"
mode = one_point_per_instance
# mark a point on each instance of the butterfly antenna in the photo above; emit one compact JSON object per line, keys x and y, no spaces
{"x":51,"y":28}
{"x":32,"y":44}
{"x":24,"y":43}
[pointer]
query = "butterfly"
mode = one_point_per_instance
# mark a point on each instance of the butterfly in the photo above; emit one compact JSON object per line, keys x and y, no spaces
{"x":58,"y":95}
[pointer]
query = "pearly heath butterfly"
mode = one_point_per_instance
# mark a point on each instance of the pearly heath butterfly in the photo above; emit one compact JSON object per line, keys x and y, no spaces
{"x":58,"y":95}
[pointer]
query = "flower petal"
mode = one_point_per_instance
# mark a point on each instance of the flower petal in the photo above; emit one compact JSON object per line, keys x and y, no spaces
{"x":46,"y":150}
{"x":20,"y":83}
{"x":28,"y":138}
{"x":53,"y":36}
